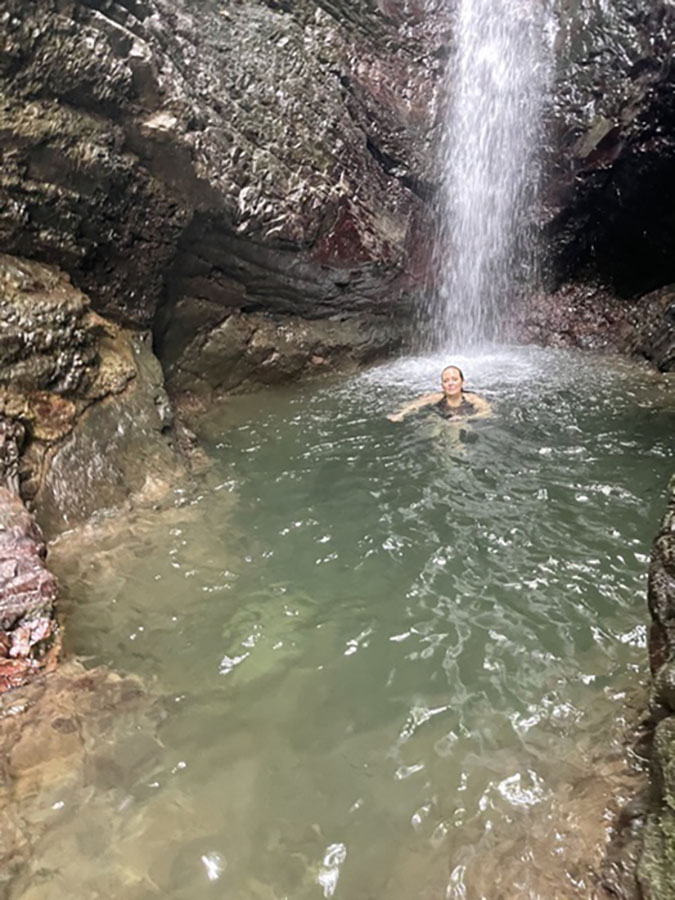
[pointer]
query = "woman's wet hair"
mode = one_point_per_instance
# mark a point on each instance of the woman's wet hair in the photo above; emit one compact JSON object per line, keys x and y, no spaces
{"x":456,"y":368}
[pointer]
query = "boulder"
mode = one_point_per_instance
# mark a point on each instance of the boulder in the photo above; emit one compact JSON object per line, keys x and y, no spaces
{"x":96,"y":425}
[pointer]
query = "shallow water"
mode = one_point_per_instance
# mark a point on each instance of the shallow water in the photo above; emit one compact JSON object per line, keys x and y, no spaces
{"x":395,"y":660}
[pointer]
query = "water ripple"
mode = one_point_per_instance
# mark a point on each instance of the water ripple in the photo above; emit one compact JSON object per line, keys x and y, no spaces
{"x":394,"y":649}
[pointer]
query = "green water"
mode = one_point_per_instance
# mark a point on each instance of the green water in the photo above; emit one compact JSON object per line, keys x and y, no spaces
{"x":386,"y":653}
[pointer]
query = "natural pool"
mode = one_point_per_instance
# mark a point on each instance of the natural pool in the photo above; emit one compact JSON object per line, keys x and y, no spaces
{"x":393,"y":661}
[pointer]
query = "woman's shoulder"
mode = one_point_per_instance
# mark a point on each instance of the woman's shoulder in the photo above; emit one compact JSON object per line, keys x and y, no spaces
{"x":477,"y":400}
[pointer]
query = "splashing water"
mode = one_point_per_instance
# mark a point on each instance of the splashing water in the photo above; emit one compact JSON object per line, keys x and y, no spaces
{"x":497,"y":84}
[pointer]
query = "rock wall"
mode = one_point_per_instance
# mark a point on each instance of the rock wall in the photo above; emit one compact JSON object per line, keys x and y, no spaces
{"x":613,"y":137}
{"x":88,"y":394}
{"x":193,"y":165}
{"x":609,"y":217}
{"x":186,"y":163}
{"x":655,"y":872}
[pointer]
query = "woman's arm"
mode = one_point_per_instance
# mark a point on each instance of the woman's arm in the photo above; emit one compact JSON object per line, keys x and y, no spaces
{"x":426,"y":400}
{"x":483,"y":408}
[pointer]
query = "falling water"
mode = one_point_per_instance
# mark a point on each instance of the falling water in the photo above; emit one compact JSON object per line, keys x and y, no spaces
{"x":497,"y":84}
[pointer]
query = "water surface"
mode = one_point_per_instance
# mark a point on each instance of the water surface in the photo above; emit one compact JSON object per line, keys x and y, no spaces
{"x":394,"y":660}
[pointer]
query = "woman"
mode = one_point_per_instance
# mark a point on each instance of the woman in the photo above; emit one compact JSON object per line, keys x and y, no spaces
{"x":453,"y":403}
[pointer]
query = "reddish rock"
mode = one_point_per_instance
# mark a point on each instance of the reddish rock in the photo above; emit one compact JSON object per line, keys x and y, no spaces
{"x":28,"y":628}
{"x":591,"y":317}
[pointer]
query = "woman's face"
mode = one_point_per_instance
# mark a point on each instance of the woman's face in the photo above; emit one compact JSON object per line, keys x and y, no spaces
{"x":451,"y":382}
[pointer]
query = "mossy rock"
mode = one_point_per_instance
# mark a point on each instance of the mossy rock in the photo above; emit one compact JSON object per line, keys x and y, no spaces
{"x":657,"y":865}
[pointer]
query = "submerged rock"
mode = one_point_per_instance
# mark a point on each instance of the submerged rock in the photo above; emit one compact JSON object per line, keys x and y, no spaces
{"x":61,"y":738}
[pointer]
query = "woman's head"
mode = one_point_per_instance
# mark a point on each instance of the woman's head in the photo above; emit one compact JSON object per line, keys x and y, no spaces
{"x":452,"y":380}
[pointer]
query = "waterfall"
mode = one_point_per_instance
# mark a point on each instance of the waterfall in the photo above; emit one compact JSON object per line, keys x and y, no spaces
{"x":497,"y":84}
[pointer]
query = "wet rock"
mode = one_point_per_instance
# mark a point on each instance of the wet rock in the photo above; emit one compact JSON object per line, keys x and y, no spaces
{"x":261,"y":156}
{"x":122,"y":448}
{"x":28,"y":629}
{"x":12,"y":436}
{"x":593,"y":318}
{"x":613,"y":128}
{"x":48,"y":331}
{"x":661,"y":590}
{"x":88,"y":396}
{"x":618,"y":872}
{"x":607,"y":219}
{"x":663,"y":687}
{"x":657,"y":861}
{"x":246,"y":350}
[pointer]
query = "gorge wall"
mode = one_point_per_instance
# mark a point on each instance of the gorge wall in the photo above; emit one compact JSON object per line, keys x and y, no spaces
{"x":192,"y":167}
{"x":239,"y":187}
{"x":609,"y":219}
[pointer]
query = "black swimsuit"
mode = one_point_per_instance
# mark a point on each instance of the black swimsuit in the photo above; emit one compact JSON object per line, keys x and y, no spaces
{"x":464,"y":409}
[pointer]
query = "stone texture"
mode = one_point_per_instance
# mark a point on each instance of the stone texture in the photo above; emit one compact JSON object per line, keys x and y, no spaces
{"x":88,"y":395}
{"x":122,"y":447}
{"x":590,"y":317}
{"x":252,"y":156}
{"x":613,"y":129}
{"x":243,"y":351}
{"x":661,"y":590}
{"x":185,"y":163}
{"x":608,"y":216}
{"x":58,"y":736}
{"x":657,"y":862}
{"x":28,"y":629}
